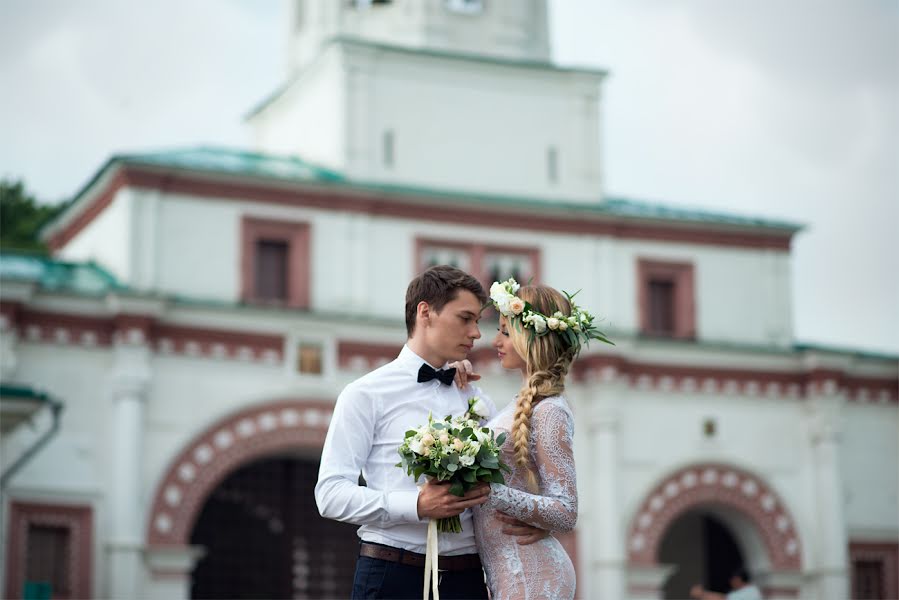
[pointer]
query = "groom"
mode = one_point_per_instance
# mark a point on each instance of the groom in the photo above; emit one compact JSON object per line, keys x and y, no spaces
{"x":372,"y":414}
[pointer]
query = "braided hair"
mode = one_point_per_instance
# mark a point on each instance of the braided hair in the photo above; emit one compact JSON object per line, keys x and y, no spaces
{"x":548,"y":359}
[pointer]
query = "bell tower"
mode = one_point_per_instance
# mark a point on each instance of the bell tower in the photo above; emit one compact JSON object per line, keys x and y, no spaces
{"x":455,"y":95}
{"x":496,"y":28}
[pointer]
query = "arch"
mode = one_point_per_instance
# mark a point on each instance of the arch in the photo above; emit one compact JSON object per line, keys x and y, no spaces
{"x":229,"y":443}
{"x":715,"y":485}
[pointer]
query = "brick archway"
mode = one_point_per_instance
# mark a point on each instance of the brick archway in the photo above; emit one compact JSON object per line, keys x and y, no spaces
{"x":721,"y":485}
{"x":231,"y":442}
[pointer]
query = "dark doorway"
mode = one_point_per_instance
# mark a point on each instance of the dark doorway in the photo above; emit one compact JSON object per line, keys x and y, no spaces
{"x":264,"y":537}
{"x":704,"y":551}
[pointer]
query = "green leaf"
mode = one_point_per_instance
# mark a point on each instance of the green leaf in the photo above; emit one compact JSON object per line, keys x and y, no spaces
{"x":410,"y":433}
{"x":500,"y":439}
{"x":497,"y":477}
{"x":452,"y":467}
{"x":469,"y":476}
{"x":456,"y":489}
{"x":466,"y":433}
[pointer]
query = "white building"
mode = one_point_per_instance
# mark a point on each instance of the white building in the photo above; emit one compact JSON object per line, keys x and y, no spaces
{"x":203,"y":308}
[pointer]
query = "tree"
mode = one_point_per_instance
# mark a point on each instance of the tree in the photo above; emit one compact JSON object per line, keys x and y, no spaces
{"x":21,"y":217}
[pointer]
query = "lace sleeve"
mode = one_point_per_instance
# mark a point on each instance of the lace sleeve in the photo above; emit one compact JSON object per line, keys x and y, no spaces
{"x":555,"y":507}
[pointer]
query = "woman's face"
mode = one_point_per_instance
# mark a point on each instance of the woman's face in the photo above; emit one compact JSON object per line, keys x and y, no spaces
{"x":508,"y":357}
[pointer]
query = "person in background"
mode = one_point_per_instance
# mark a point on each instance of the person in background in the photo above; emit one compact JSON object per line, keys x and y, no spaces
{"x":741,"y":589}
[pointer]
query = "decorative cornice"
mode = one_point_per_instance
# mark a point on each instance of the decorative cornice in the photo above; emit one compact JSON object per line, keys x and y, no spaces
{"x":386,"y":203}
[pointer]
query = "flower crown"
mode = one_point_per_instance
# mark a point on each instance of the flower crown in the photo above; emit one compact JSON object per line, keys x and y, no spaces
{"x":576,"y":328}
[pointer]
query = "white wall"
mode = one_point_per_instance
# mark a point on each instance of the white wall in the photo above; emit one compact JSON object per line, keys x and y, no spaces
{"x":474,"y":126}
{"x":307,"y":120}
{"x":869,"y":470}
{"x":107,"y":239}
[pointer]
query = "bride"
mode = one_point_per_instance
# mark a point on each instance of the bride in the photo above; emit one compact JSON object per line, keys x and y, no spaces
{"x":540,"y":334}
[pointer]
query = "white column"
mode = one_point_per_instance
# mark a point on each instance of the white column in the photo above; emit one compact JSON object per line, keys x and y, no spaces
{"x":607,"y":566}
{"x":129,"y":390}
{"x":831,"y":542}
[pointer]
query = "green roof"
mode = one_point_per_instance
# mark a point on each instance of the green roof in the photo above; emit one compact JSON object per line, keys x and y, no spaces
{"x":52,"y":274}
{"x":228,"y":161}
{"x":21,"y":392}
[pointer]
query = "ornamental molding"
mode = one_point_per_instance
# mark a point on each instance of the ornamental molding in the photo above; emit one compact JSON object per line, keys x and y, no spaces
{"x":206,"y":460}
{"x":721,"y":485}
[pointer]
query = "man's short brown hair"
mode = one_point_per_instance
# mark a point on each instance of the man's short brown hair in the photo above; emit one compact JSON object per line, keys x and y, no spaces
{"x":438,"y":286}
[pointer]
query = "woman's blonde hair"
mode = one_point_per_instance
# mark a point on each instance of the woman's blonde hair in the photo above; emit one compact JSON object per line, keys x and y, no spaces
{"x":548,"y":359}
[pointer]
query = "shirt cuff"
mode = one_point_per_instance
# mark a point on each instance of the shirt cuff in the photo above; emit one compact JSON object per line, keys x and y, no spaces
{"x":403,"y":506}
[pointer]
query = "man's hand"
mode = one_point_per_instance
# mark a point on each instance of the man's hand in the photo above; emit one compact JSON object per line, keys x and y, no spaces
{"x":464,"y":373}
{"x":526,"y":534}
{"x":436,"y":502}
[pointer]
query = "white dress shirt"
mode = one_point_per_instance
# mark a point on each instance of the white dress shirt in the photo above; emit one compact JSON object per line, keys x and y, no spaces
{"x":369,"y":423}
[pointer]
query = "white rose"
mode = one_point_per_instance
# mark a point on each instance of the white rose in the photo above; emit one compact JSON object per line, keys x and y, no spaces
{"x":480,"y":408}
{"x":497,"y":289}
{"x":553,"y":323}
{"x":482,"y":437}
{"x":466,"y":461}
{"x":539,"y":323}
{"x":427,"y":439}
{"x":444,"y":438}
{"x":516,"y":305}
{"x":502,"y":304}
{"x":417,"y":447}
{"x":563,"y":325}
{"x":458,"y":444}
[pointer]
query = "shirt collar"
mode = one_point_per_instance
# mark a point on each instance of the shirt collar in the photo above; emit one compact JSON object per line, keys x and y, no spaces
{"x":411,"y":362}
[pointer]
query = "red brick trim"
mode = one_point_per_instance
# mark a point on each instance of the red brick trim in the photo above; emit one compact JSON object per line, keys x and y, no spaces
{"x":72,"y":329}
{"x":711,"y":380}
{"x":709,"y":483}
{"x":681,"y":274}
{"x":296,"y":235}
{"x":228,"y":444}
{"x":361,"y":356}
{"x":77,"y":519}
{"x":885,"y":552}
{"x":408,"y":207}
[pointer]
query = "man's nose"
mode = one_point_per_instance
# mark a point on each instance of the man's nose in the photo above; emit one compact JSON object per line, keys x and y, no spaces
{"x":477,"y":333}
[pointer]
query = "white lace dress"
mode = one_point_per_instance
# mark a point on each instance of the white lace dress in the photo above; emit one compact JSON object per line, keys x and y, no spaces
{"x":543,"y":569}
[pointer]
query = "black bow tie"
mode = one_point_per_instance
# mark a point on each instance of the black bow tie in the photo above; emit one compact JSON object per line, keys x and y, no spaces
{"x":427,"y":373}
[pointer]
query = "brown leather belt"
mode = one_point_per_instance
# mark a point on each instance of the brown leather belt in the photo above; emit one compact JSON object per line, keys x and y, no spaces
{"x":414,"y":559}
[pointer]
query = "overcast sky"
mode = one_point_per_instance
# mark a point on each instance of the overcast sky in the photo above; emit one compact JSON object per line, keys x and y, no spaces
{"x":787,"y":110}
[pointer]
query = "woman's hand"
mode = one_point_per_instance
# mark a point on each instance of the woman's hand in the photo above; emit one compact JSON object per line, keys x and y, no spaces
{"x":464,"y":372}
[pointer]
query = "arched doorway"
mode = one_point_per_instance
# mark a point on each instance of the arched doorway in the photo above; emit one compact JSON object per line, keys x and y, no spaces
{"x":205,"y":473}
{"x":263,"y":537}
{"x":736,"y":506}
{"x":703,"y":550}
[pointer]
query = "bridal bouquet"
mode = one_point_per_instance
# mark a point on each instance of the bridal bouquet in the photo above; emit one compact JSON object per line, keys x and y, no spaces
{"x":457,"y":450}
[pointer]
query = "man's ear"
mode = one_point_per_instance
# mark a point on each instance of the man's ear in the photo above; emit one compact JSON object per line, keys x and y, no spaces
{"x":423,"y":312}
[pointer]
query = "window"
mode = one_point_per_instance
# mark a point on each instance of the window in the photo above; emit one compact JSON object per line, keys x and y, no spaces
{"x":309,"y":359}
{"x":271,"y":270}
{"x":875,"y":570}
{"x":49,"y":551}
{"x":465,"y":6}
{"x":487,"y":263}
{"x":48,"y":554}
{"x":665,"y":298}
{"x":661,"y":307}
{"x":275,"y":262}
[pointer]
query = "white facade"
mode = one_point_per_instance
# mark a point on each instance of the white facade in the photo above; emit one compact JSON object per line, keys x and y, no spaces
{"x":177,"y":377}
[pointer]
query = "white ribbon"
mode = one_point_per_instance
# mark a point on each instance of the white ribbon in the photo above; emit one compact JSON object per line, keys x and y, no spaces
{"x":431,"y":555}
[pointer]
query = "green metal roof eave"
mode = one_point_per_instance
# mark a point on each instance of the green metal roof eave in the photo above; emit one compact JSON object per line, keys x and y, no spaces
{"x":21,"y":392}
{"x":468,"y":56}
{"x":855,"y":352}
